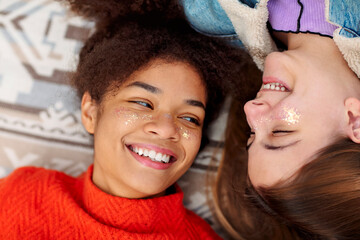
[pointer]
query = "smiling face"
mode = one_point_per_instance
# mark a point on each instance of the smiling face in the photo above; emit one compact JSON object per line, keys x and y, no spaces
{"x":302,"y":107}
{"x":148,"y":133}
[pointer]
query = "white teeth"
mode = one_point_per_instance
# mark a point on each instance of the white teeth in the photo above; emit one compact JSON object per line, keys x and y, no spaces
{"x":146,"y":153}
{"x":158,"y":157}
{"x":154,"y":156}
{"x":274,"y":86}
{"x":164,"y":158}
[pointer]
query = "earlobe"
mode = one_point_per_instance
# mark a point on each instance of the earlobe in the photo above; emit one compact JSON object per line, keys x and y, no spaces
{"x":353,"y":111}
{"x":88,"y":112}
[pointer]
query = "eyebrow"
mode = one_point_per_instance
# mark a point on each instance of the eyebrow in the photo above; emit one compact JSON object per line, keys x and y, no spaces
{"x":270,"y":147}
{"x":195,"y":103}
{"x":156,"y":90}
{"x":145,"y":86}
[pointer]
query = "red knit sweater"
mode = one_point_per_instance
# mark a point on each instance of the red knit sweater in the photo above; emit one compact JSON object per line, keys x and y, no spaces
{"x":43,"y":204}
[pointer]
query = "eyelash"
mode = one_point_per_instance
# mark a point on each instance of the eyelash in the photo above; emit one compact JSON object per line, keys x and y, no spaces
{"x":281,"y":131}
{"x":192,"y":120}
{"x":144,"y":104}
{"x":275,"y":131}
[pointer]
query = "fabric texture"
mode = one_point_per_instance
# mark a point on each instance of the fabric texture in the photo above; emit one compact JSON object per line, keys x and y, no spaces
{"x":250,"y":18}
{"x":47,"y":204}
{"x":347,"y":36}
{"x":250,"y":26}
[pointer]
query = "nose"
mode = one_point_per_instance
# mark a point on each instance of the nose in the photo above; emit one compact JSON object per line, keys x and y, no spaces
{"x":163,"y":126}
{"x":256,"y":111}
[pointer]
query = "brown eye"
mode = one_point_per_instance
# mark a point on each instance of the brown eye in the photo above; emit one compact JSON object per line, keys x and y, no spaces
{"x":142,"y":103}
{"x":192,"y":120}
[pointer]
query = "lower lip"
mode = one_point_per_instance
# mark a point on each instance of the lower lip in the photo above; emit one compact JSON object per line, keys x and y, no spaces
{"x":147,"y":162}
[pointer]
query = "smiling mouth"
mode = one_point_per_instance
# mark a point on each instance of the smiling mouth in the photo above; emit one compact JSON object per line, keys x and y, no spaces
{"x":152,"y":155}
{"x":274,"y":86}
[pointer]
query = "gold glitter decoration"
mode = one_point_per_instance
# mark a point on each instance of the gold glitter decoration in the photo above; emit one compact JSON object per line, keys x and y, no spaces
{"x":186,"y":135}
{"x":130,"y":116}
{"x":290,"y":115}
{"x":184,"y":132}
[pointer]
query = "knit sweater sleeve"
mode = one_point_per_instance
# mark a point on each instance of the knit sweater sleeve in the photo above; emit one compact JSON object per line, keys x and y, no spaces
{"x":201,"y":227}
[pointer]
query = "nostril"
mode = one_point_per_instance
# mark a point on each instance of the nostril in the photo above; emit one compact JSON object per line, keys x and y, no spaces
{"x":255,"y":109}
{"x":257,"y":103}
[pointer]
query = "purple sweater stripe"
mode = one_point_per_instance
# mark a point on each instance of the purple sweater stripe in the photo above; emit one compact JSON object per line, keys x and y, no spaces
{"x":284,"y":15}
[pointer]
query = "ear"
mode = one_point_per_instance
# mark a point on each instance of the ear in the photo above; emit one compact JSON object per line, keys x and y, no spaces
{"x":352,"y":106}
{"x":89,"y":109}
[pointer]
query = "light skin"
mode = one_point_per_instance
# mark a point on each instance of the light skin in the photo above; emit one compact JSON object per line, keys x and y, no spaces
{"x":160,"y":108}
{"x":318,"y":103}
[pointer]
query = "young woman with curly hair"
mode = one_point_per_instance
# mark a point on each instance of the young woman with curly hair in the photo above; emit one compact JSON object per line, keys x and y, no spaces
{"x":301,"y":167}
{"x":149,"y":86}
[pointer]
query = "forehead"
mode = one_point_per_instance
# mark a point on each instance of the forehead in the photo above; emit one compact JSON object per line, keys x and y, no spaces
{"x":161,"y":77}
{"x":163,"y":74}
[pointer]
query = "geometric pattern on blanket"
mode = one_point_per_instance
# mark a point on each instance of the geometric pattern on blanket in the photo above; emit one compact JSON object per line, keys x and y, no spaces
{"x":39,"y":111}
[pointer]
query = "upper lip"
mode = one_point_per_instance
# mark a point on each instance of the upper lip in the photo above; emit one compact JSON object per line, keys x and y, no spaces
{"x":156,"y":148}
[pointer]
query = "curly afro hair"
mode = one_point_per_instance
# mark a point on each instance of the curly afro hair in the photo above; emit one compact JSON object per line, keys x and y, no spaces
{"x":129,"y":36}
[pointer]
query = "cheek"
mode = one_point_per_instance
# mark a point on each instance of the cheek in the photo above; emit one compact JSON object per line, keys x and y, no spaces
{"x":130,"y":118}
{"x":263,"y":171}
{"x":191,"y":140}
{"x":261,"y":120}
{"x":193,"y":136}
{"x":256,"y":171}
{"x":288,"y":114}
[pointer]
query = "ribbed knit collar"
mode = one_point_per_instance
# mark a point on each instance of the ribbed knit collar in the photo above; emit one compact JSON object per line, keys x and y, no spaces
{"x":147,"y":215}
